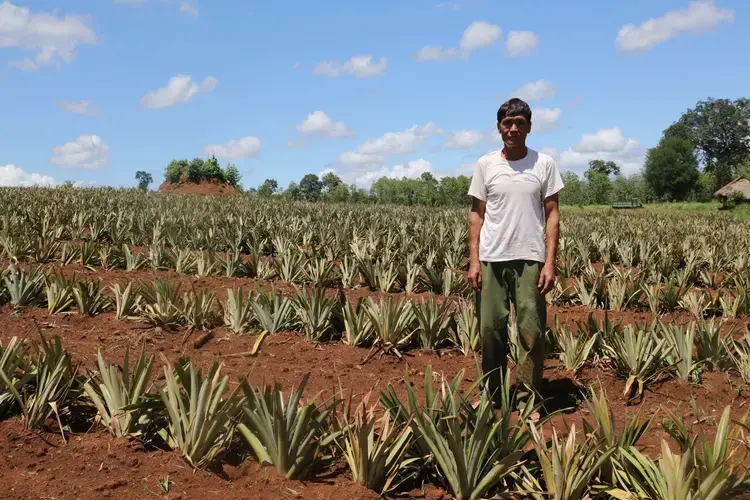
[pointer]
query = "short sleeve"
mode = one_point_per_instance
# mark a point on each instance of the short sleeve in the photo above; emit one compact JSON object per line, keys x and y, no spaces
{"x":553,"y":182}
{"x":478,"y":189}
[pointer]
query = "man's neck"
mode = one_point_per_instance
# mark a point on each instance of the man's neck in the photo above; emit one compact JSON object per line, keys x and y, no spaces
{"x":515,"y":154}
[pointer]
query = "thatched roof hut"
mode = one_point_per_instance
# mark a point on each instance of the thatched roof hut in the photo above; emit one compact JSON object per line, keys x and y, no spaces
{"x":742,"y":185}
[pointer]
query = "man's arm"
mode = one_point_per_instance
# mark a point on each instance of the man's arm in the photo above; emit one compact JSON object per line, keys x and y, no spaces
{"x":552,"y":214}
{"x":476,"y":221}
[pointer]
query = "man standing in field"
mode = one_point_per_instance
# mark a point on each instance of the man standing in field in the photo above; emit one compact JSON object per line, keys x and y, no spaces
{"x":511,"y":257}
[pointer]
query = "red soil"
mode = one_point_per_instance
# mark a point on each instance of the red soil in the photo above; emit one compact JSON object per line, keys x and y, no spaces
{"x":205,"y":188}
{"x":94,"y":465}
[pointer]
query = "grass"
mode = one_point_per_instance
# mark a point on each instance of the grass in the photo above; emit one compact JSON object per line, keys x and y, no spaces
{"x":742,"y":212}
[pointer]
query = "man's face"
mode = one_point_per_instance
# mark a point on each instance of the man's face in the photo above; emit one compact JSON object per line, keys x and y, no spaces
{"x":513,"y":130}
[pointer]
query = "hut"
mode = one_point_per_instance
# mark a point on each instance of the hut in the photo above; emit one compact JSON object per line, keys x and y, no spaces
{"x":740,"y":185}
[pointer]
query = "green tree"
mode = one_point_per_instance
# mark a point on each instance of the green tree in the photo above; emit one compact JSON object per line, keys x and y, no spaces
{"x":195,"y":170}
{"x":339,"y":194}
{"x":232,"y":176}
{"x":671,"y":169}
{"x":719,"y":129}
{"x":602,"y":167}
{"x":268,"y":188}
{"x":330,"y":182}
{"x":599,"y":188}
{"x":573,"y":194}
{"x":293,"y":192}
{"x":144,"y":179}
{"x":176,"y":171}
{"x":311,"y":187}
{"x":211,"y":170}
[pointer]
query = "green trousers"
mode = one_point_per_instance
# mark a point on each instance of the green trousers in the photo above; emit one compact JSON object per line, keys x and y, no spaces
{"x":503,"y":283}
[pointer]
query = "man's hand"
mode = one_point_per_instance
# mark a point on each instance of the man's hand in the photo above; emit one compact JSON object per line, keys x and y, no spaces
{"x":546,"y":279}
{"x":474,"y":275}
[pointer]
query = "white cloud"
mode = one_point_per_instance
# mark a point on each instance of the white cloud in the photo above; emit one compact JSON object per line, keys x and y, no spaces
{"x":463,"y":139}
{"x":82,"y":107}
{"x":607,"y":145}
{"x":478,"y":35}
{"x":700,"y":15}
{"x":54,"y":38}
{"x":354,"y":159}
{"x":544,"y":119}
{"x":521,"y":43}
{"x":549,"y":151}
{"x":411,"y":170}
{"x":245,"y":147}
{"x":536,"y":91}
{"x":13,"y":176}
{"x":88,"y":151}
{"x":392,"y":143}
{"x":360,"y":66}
{"x":320,"y":124}
{"x":179,"y":89}
{"x":189,"y":9}
{"x":435,"y":53}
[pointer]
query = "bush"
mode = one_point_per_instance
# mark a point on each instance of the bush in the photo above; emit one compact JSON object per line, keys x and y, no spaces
{"x":197,"y":170}
{"x":734,"y":198}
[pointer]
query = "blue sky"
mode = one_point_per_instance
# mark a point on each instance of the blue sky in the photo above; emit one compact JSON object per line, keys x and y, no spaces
{"x":94,"y":90}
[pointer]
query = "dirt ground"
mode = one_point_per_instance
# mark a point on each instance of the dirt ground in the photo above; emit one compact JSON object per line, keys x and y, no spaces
{"x":94,"y":465}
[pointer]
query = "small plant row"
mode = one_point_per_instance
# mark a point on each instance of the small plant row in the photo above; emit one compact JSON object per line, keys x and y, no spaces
{"x":390,"y":324}
{"x":641,"y":354}
{"x":630,"y":288}
{"x":441,"y":436}
{"x":290,"y":263}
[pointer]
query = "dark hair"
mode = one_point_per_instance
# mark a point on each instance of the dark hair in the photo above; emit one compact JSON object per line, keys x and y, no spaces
{"x":514,"y":107}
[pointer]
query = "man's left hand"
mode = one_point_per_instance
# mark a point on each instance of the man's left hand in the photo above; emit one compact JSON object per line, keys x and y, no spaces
{"x":546,"y":279}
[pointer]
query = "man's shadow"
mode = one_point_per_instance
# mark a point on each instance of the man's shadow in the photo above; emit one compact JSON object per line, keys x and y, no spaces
{"x":562,"y":395}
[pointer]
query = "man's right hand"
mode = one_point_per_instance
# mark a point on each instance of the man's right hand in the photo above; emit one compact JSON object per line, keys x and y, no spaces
{"x":474,"y":275}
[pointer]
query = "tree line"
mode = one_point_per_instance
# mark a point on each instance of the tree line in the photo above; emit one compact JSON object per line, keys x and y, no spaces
{"x":705,"y":149}
{"x":425,"y":190}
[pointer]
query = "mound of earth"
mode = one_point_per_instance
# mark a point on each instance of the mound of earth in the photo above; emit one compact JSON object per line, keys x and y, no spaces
{"x":205,"y":188}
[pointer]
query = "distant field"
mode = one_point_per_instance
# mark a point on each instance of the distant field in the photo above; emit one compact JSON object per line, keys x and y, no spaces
{"x":742,"y":212}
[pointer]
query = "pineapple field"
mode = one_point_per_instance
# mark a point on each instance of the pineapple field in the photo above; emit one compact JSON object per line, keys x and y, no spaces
{"x":156,"y":345}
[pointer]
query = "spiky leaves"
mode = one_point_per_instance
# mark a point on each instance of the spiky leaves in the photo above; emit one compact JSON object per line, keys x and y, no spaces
{"x":200,"y":420}
{"x":375,"y":448}
{"x":114,"y":388}
{"x":284,"y":433}
{"x":639,"y":356}
{"x":315,"y":312}
{"x":566,"y":465}
{"x":466,"y":449}
{"x":434,"y":320}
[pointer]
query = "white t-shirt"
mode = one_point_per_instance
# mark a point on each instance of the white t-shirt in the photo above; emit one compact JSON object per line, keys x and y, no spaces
{"x":515,"y":192}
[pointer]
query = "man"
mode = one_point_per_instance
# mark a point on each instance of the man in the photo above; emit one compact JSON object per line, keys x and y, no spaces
{"x":514,"y":192}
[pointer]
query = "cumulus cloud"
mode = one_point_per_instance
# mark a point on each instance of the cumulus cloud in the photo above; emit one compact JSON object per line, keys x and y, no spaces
{"x":245,"y":147}
{"x":179,"y":89}
{"x":699,"y":15}
{"x":189,"y":8}
{"x":605,"y":144}
{"x":360,"y":66}
{"x":319,"y":124}
{"x":536,"y":91}
{"x":13,"y":176}
{"x":88,"y":152}
{"x":411,"y":170}
{"x":478,"y":35}
{"x":52,"y":37}
{"x":521,"y":43}
{"x":82,"y":107}
{"x":544,"y":119}
{"x":463,"y":139}
{"x":392,"y":143}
